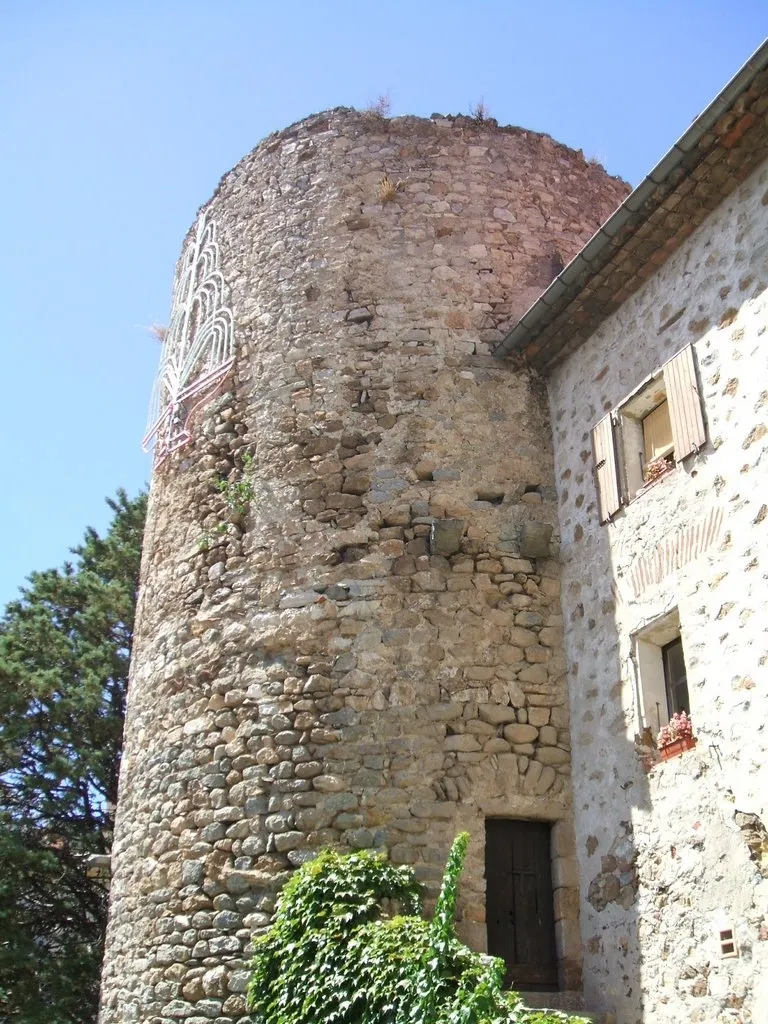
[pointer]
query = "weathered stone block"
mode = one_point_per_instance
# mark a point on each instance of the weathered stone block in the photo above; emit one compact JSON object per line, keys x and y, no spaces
{"x":192,"y":872}
{"x":552,"y":755}
{"x":405,"y":565}
{"x":430,"y":581}
{"x":464,"y":742}
{"x":517,"y":565}
{"x":432,"y":810}
{"x":517,"y":733}
{"x":535,"y":540}
{"x":547,"y":733}
{"x":540,"y":717}
{"x":536,"y":674}
{"x":495,"y":714}
{"x":532,"y":776}
{"x":496,"y":745}
{"x":510,"y":654}
{"x":523,"y":748}
{"x":565,"y":872}
{"x":445,"y":536}
{"x":329,"y":784}
{"x":358,"y":838}
{"x":288,"y":840}
{"x":563,"y":840}
{"x":223,"y":944}
{"x":546,"y":780}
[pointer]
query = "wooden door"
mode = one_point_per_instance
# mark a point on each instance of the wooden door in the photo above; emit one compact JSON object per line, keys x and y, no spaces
{"x":519,"y":909}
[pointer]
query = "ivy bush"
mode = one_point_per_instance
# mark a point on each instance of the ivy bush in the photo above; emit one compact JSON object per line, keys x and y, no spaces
{"x":333,"y":957}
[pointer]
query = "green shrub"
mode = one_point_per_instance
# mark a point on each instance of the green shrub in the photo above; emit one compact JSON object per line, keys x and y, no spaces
{"x":332,"y":958}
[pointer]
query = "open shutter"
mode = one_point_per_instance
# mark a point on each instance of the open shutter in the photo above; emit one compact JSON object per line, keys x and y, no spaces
{"x":606,"y":468}
{"x":684,"y":404}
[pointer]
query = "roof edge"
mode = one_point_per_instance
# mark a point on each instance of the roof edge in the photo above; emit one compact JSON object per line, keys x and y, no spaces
{"x":566,"y":286}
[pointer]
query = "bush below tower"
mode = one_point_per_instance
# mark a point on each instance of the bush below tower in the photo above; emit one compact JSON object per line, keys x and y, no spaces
{"x":334,"y":956}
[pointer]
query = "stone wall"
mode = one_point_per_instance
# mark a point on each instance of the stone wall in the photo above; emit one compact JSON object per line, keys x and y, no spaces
{"x":663,"y":856}
{"x":370,"y":655}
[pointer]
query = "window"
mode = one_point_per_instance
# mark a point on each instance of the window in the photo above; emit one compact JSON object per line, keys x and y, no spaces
{"x":644,"y":436}
{"x":675,"y":677}
{"x":661,"y":671}
{"x":657,"y":433}
{"x":727,"y":943}
{"x":654,"y":428}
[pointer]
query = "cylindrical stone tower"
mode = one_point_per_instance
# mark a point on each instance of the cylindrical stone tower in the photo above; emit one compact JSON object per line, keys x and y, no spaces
{"x":349,"y":623}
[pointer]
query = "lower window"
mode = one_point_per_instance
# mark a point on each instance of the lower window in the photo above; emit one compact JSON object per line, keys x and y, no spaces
{"x":662,"y":672}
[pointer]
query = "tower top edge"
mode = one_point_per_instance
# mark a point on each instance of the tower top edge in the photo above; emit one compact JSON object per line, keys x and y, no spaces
{"x":349,"y":120}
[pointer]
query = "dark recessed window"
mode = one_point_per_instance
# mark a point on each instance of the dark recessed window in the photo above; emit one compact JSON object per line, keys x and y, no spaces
{"x":675,"y":677}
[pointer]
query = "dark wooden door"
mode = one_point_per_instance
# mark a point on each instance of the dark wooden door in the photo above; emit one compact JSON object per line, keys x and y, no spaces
{"x":519,"y":910}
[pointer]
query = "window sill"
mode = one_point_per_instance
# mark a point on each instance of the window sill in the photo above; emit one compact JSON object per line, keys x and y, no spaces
{"x":676,"y":748}
{"x":652,"y":483}
{"x":651,"y":757}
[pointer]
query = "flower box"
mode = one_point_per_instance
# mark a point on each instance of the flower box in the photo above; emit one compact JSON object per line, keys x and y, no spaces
{"x":676,"y":747}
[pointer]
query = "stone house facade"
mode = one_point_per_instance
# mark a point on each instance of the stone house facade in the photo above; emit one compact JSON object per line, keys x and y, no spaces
{"x":664,"y":573}
{"x":384,"y":600}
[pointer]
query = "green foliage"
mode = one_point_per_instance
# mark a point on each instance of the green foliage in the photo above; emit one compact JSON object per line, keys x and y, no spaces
{"x":64,"y":651}
{"x":238,"y":494}
{"x":332,"y":957}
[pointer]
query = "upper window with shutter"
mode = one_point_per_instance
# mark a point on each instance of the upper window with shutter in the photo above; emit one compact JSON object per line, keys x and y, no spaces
{"x":648,"y":434}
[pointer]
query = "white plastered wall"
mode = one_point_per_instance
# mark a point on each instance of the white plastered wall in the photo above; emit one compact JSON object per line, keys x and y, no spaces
{"x":714,"y":507}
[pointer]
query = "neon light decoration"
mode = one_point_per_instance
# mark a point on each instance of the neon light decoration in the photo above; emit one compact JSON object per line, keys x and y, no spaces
{"x":198,"y":348}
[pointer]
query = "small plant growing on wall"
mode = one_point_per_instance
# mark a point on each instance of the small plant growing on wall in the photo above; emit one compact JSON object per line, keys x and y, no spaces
{"x":380,"y":108}
{"x":333,"y":955}
{"x":479,"y":111}
{"x":238,"y":495}
{"x":388,"y":189}
{"x":159,"y":332}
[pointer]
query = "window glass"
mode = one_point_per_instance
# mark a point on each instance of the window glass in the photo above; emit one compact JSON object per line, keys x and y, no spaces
{"x":657,"y":433}
{"x":675,"y":678}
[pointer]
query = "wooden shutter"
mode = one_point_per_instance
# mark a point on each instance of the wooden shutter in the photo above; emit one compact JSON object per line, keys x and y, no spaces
{"x":606,"y":468}
{"x":684,"y":404}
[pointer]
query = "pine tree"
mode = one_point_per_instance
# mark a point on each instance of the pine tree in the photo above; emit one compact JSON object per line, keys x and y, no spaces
{"x":64,"y":652}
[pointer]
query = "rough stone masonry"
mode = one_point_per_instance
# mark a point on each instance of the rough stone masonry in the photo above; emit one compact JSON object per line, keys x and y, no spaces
{"x":366,"y":650}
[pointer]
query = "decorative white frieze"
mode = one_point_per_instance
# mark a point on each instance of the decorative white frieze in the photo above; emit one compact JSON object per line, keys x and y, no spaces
{"x":198,"y":348}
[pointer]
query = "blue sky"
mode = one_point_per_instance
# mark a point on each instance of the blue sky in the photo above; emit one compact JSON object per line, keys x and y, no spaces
{"x":117,"y":120}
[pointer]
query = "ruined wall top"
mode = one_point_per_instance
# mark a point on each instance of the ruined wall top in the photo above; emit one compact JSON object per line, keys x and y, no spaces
{"x":359,"y":124}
